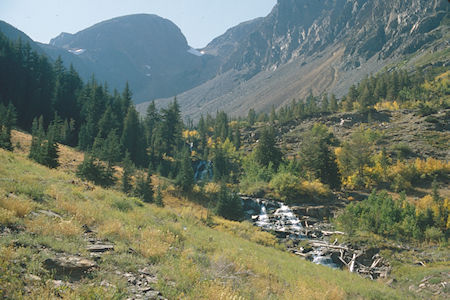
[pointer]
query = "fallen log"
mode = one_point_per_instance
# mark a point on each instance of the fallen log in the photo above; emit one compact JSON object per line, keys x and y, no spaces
{"x":325,"y":245}
{"x":328,"y":233}
{"x":376,"y":262}
{"x":353,"y":261}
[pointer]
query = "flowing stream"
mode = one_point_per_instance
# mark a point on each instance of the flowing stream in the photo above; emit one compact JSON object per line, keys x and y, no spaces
{"x":282,"y":220}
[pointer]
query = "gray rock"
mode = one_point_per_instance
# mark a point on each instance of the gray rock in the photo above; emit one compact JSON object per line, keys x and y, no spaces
{"x":153,"y":294}
{"x":72,"y":267}
{"x":100,"y":248}
{"x":49,"y":214}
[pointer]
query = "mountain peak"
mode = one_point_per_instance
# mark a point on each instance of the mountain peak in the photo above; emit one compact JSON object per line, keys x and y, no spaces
{"x":148,"y":51}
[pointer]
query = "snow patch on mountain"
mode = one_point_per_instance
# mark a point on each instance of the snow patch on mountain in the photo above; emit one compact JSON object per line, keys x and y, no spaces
{"x":77,"y":51}
{"x":195,"y":52}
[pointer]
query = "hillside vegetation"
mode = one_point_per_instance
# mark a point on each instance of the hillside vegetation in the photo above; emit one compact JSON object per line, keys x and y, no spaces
{"x":146,"y":207}
{"x":47,"y":213}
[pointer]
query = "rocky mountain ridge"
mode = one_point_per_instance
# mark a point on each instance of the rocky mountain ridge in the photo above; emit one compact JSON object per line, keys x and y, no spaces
{"x":148,"y":51}
{"x":318,"y":46}
{"x":301,"y":46}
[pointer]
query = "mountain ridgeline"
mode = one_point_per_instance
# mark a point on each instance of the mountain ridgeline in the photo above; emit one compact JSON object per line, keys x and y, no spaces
{"x":145,"y":50}
{"x":318,"y":46}
{"x":301,"y":46}
{"x":149,"y":52}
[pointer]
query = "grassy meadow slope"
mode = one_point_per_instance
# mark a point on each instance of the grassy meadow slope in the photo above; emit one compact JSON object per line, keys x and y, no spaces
{"x":187,"y":253}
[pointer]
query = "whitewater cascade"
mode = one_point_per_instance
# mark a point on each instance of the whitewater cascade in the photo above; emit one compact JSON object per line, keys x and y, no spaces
{"x":284,"y":220}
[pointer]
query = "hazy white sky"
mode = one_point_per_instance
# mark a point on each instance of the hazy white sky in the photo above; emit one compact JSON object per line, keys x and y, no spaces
{"x":199,"y":20}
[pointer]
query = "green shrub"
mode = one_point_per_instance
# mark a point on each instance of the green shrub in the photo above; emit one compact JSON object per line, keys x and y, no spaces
{"x":433,"y":234}
{"x":291,"y":189}
{"x":403,"y":151}
{"x":229,"y":205}
{"x":390,"y":218}
{"x":287,"y":186}
{"x":123,"y":205}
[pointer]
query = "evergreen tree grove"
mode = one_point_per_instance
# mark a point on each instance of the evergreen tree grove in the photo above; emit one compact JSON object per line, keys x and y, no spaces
{"x":266,"y":151}
{"x":185,"y":178}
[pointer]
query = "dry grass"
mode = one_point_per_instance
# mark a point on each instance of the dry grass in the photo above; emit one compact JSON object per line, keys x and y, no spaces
{"x":154,"y":243}
{"x":212,"y":188}
{"x":54,"y":227}
{"x":7,"y":217}
{"x":247,"y":231}
{"x":325,"y":291}
{"x":84,"y":212}
{"x":20,"y":206}
{"x":216,"y":290}
{"x":114,"y":229}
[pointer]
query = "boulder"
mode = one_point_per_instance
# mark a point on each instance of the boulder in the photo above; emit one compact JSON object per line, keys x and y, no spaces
{"x":71,"y":267}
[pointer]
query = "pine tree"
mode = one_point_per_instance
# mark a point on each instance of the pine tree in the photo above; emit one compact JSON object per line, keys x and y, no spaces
{"x":237,"y":137}
{"x":152,"y":118}
{"x":159,"y":198}
{"x":126,"y":100}
{"x":203,"y":132}
{"x":317,"y":157}
{"x":107,"y":123}
{"x":144,"y":187}
{"x":8,"y":118}
{"x":325,"y":103}
{"x":36,"y":141}
{"x":333,"y":103}
{"x":132,"y":139}
{"x":221,"y":168}
{"x":171,"y":128}
{"x":365,"y":100}
{"x":352,"y":96}
{"x":95,"y":171}
{"x":44,"y":148}
{"x":384,"y":162}
{"x":273,"y":115}
{"x":266,"y":151}
{"x":311,"y":103}
{"x":221,"y":126}
{"x":49,"y":149}
{"x":185,"y":178}
{"x":435,"y":191}
{"x":108,"y":149}
{"x":128,"y":171}
{"x":229,"y":205}
{"x":251,"y":116}
{"x":356,"y":154}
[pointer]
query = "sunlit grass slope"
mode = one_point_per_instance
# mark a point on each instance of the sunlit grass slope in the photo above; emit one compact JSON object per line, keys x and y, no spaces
{"x":194,"y":256}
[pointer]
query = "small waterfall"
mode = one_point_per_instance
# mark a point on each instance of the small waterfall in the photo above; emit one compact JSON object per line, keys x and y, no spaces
{"x":285,"y":223}
{"x":321,"y":258}
{"x":203,"y":171}
{"x":263,"y":219}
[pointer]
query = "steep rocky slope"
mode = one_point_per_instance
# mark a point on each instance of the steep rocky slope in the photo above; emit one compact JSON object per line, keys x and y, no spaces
{"x":316,"y":45}
{"x":425,"y":136}
{"x":301,"y":46}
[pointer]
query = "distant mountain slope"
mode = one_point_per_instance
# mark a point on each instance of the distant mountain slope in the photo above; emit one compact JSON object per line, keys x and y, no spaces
{"x":14,"y":34}
{"x":305,"y":45}
{"x":148,"y":51}
{"x":229,"y":42}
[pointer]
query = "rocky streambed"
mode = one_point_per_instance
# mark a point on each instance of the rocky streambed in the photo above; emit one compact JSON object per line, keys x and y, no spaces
{"x":305,"y":233}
